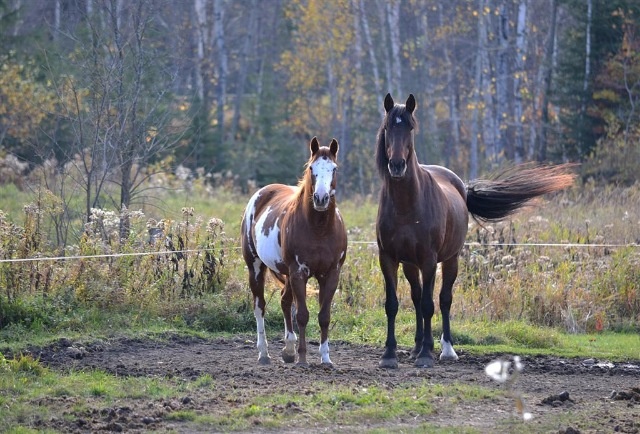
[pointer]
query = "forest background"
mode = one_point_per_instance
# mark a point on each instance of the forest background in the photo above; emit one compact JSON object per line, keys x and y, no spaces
{"x":105,"y":103}
{"x":113,"y":92}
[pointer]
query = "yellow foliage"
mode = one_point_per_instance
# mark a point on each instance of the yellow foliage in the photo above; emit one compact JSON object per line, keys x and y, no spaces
{"x":24,"y":102}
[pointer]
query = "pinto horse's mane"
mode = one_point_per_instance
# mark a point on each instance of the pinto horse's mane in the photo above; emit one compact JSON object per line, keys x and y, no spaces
{"x":398,"y":111}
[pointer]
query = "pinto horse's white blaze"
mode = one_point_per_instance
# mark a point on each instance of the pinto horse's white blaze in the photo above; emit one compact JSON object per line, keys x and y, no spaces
{"x":267,"y":241}
{"x":448,"y":353}
{"x":323,"y":171}
{"x":263,"y":352}
{"x":324,"y":353}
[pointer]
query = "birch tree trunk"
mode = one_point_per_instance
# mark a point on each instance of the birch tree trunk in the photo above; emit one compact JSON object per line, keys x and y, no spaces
{"x":519,"y":75}
{"x":393,"y":17}
{"x":372,"y":55}
{"x":245,"y":58}
{"x":502,"y":77}
{"x":431,"y":134}
{"x":218,"y":17}
{"x":546,"y":83}
{"x":454,"y":119}
{"x":475,"y":127}
{"x":382,"y":22}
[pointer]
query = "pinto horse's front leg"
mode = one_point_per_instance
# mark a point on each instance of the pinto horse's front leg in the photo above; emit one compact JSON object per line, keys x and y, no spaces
{"x":389,"y":269}
{"x":328,"y":286}
{"x":286,"y":300}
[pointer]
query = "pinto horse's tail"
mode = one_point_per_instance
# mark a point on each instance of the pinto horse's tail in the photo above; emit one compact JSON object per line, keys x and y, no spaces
{"x":504,"y":194}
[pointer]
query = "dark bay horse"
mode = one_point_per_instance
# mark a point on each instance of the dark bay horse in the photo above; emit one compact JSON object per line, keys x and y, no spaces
{"x":297,"y":233}
{"x":422,"y":221}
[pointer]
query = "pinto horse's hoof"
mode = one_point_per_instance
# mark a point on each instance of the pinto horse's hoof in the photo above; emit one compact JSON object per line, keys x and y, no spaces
{"x":266,"y":360}
{"x":388,"y":363}
{"x":328,"y":365}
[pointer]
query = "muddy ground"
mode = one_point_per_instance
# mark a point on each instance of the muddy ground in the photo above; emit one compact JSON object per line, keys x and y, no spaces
{"x":564,"y":395}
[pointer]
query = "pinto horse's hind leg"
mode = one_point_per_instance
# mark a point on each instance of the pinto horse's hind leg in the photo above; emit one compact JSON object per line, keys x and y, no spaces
{"x":256,"y":282}
{"x":286,"y":302}
{"x":299,"y":290}
{"x":449,"y":274}
{"x":412,"y":273}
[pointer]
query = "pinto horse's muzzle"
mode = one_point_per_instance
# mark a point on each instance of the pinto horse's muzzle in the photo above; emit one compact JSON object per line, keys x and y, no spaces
{"x":397,"y":167}
{"x":321,"y":201}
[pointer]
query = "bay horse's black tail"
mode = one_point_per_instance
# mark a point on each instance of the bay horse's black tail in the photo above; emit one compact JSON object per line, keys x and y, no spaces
{"x":504,"y":194}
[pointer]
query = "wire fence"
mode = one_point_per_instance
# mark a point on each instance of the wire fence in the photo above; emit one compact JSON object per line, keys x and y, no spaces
{"x":171,"y":252}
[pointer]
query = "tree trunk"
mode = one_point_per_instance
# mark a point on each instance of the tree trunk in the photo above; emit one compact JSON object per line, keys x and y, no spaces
{"x":218,"y":13}
{"x":502,"y":78}
{"x":372,"y":55}
{"x":475,"y":127}
{"x":454,"y":119}
{"x":245,"y":58}
{"x":521,"y":54}
{"x":546,"y":83}
{"x":393,"y":18}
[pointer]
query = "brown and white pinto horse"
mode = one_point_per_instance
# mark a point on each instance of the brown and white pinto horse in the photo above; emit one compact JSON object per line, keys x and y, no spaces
{"x":422,"y":221}
{"x":297,"y":233}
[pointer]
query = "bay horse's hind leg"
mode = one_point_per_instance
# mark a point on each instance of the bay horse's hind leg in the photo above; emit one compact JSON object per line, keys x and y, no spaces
{"x":286,"y":302}
{"x":256,"y":282}
{"x":449,"y":274}
{"x":412,"y":273}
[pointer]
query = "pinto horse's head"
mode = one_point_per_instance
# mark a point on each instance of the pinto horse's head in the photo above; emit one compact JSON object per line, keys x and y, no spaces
{"x":322,"y":168}
{"x":397,"y":128}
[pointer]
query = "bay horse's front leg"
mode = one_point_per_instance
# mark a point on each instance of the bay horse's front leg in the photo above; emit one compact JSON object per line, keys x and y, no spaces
{"x":412,"y":273}
{"x":328,"y":286}
{"x":449,"y":274}
{"x":425,"y":358}
{"x":299,"y":289}
{"x":286,"y":300}
{"x":389,"y":268}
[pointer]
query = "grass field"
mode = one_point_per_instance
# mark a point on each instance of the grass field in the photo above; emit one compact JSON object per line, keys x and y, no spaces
{"x":526,"y":286}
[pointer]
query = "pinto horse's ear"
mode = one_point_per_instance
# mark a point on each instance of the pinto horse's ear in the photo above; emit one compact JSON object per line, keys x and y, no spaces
{"x":314,"y":145}
{"x":388,"y":103}
{"x":333,"y":147}
{"x":411,"y":103}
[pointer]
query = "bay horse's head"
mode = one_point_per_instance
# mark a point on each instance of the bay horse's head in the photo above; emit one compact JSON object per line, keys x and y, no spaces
{"x":322,"y":167}
{"x":395,"y":137}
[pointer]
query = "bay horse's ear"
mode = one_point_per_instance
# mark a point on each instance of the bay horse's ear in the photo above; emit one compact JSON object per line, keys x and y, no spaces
{"x":314,"y":145}
{"x":411,"y":103}
{"x":388,"y":103}
{"x":333,"y":147}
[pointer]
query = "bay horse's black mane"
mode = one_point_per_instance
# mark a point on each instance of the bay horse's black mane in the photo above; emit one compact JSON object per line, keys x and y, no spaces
{"x":398,"y":111}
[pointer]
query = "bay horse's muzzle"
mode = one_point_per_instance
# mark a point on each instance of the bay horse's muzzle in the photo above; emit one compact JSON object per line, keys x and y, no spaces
{"x":397,"y":167}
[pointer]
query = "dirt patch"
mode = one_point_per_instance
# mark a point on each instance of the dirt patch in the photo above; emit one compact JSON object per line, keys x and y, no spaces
{"x":593,"y":395}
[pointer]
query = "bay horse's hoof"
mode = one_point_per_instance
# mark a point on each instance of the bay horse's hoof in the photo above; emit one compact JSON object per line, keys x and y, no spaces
{"x":304,"y":365}
{"x":264,"y":360}
{"x":424,"y":362}
{"x":388,"y":363}
{"x":288,"y":358}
